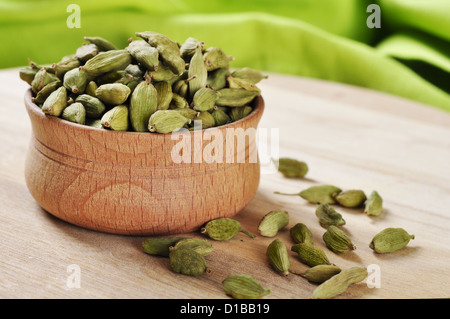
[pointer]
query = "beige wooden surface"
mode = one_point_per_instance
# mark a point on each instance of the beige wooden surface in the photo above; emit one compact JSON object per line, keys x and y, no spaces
{"x":350,"y":137}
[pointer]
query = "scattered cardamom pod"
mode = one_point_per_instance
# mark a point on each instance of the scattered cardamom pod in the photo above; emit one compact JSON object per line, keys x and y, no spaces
{"x":143,"y":103}
{"x":116,"y":119}
{"x":291,"y":168}
{"x":75,"y":112}
{"x":159,"y":245}
{"x":321,"y":273}
{"x":201,"y":246}
{"x":374,"y":204}
{"x":241,"y":286}
{"x":321,"y":194}
{"x":272,"y":222}
{"x":351,"y":198}
{"x":187,"y":262}
{"x":390,"y":240}
{"x":328,"y":216}
{"x":339,"y":283}
{"x":221,"y":229}
{"x":56,"y":102}
{"x":337,"y":241}
{"x":310,"y":254}
{"x":278,"y":257}
{"x":166,"y":121}
{"x":300,"y":233}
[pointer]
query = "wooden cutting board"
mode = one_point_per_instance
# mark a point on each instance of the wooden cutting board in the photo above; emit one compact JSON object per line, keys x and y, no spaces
{"x":350,"y":137}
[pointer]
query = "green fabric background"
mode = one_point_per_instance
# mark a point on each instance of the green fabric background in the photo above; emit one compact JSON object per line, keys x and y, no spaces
{"x":408,"y":56}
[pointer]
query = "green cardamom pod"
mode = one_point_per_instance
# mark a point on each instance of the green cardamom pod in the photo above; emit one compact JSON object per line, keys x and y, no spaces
{"x":216,"y":58}
{"x":220,"y":117}
{"x":86,"y":52}
{"x":113,"y":93}
{"x":27,"y":74}
{"x":201,"y":246}
{"x":163,"y":73}
{"x":217,"y":79}
{"x":241,"y":286}
{"x":187,"y":113}
{"x":146,"y":55}
{"x":251,"y":75}
{"x":321,"y":273}
{"x":278,"y":257}
{"x":187,"y":49}
{"x":91,"y":87}
{"x":237,"y":83}
{"x":107,"y":61}
{"x":116,"y":119}
{"x":339,"y":283}
{"x":110,"y":77}
{"x":96,"y":123}
{"x":101,"y":43}
{"x":197,"y":71}
{"x":221,"y":229}
{"x":166,"y":121}
{"x":41,"y":79}
{"x":204,"y":99}
{"x":205,"y":119}
{"x":134,"y":70}
{"x":143,"y":104}
{"x":56,"y":102}
{"x":390,"y":240}
{"x":310,"y":254}
{"x":337,"y":241}
{"x":351,"y":198}
{"x":300,"y":233}
{"x":76,"y":80}
{"x":272,"y":222}
{"x":168,"y":50}
{"x":160,"y":245}
{"x":292,"y":168}
{"x":164,"y":95}
{"x":235,"y":97}
{"x":93,"y":106}
{"x":187,"y":262}
{"x":178,"y":102}
{"x":238,"y":113}
{"x":75,"y":112}
{"x":328,"y":216}
{"x":181,"y":87}
{"x":66,"y":64}
{"x":44,"y":93}
{"x":321,"y":194}
{"x":374,"y":204}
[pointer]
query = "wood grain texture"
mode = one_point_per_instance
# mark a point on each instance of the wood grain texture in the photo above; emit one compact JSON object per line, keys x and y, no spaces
{"x":350,"y":137}
{"x":129,"y":183}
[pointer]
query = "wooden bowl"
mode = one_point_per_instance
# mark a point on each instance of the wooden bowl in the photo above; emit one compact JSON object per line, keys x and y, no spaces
{"x":127,"y":182}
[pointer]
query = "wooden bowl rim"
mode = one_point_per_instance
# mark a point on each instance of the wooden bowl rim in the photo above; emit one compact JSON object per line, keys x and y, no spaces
{"x":257,"y":112}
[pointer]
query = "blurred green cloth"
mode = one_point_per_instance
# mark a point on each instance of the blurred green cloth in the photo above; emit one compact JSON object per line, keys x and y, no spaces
{"x":408,"y":56}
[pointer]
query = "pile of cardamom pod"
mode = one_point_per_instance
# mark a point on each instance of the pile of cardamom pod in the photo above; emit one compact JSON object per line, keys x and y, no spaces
{"x":153,"y":85}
